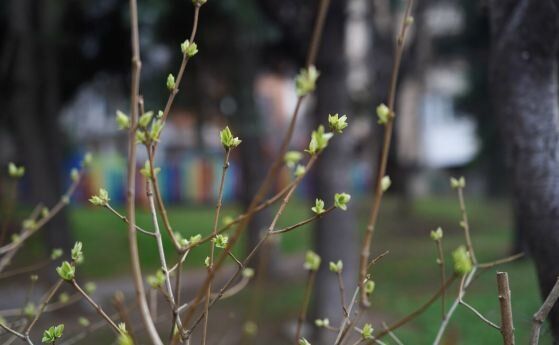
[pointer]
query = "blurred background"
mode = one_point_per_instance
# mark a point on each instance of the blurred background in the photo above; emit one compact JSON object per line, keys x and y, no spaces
{"x":65,"y":70}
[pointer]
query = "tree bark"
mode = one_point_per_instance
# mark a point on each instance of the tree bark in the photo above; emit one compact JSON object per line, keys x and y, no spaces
{"x":34,"y":110}
{"x":523,"y":74}
{"x":335,"y":235}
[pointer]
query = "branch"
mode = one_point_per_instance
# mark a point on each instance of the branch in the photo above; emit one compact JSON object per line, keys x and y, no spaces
{"x":465,"y":224}
{"x":304,"y":306}
{"x":11,"y":249}
{"x":501,"y":261}
{"x":131,"y":182}
{"x":507,"y":325}
{"x":160,"y":249}
{"x":365,"y":250}
{"x":303,"y":222}
{"x":97,"y":308}
{"x":211,"y":273}
{"x":212,"y":245}
{"x":391,"y":334}
{"x":418,"y":311}
{"x":46,"y":300}
{"x":124,"y":219}
{"x":243,"y":216}
{"x":464,"y":284}
{"x":540,"y":316}
{"x":440,"y":261}
{"x":346,"y":325}
{"x":272,"y":172}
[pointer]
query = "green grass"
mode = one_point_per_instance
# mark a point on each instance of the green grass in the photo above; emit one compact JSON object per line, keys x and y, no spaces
{"x":405,"y":278}
{"x":106,"y":240}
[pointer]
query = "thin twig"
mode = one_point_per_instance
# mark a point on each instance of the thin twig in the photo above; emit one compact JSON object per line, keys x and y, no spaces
{"x":160,"y":249}
{"x":440,"y":261}
{"x":466,"y":225}
{"x":11,"y":249}
{"x":26,"y":269}
{"x":287,"y":197}
{"x":46,"y":300}
{"x":96,"y":306}
{"x":466,"y":281}
{"x":303,"y":222}
{"x":346,"y":325}
{"x":304,"y":306}
{"x":367,"y":241}
{"x":122,"y":310}
{"x":419,"y":310}
{"x":479,"y":315}
{"x":377,"y":259}
{"x":501,"y":261}
{"x":391,"y":334}
{"x":341,"y":286}
{"x":131,"y":180}
{"x":285,"y":200}
{"x":272,"y":172}
{"x":166,"y":111}
{"x":12,"y":331}
{"x":243,"y":216}
{"x":540,"y":316}
{"x":124,"y":219}
{"x":212,"y":246}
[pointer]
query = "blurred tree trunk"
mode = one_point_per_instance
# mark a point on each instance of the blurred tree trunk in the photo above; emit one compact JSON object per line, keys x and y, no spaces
{"x":253,"y":161}
{"x":34,"y":107}
{"x":249,"y":126}
{"x":335,"y":235}
{"x":524,"y":90}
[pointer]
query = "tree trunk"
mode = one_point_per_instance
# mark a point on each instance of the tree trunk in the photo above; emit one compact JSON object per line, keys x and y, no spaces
{"x":524,"y":90}
{"x":34,"y":109}
{"x":335,"y":235}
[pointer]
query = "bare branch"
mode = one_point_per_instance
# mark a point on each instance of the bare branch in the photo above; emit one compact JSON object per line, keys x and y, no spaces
{"x":507,"y":325}
{"x":540,"y":316}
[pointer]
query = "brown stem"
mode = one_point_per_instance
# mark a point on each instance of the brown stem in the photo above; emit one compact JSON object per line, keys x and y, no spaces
{"x":160,"y":249}
{"x":303,"y":222}
{"x":122,"y":310}
{"x":377,"y":259}
{"x":131,"y":181}
{"x":441,"y":263}
{"x":367,"y":241}
{"x":124,"y":219}
{"x":182,"y":67}
{"x":46,"y":300}
{"x":501,"y":261}
{"x":465,"y":282}
{"x":466,"y":225}
{"x":341,"y":286}
{"x":177,"y":295}
{"x":255,"y":249}
{"x":26,"y":269}
{"x":243,"y":216}
{"x":304,"y":306}
{"x":507,"y":325}
{"x":540,"y":316}
{"x":479,"y":315}
{"x":418,"y":311}
{"x":12,"y":331}
{"x":212,"y":246}
{"x":272,"y":172}
{"x":211,"y":273}
{"x":96,"y":306}
{"x":24,"y":234}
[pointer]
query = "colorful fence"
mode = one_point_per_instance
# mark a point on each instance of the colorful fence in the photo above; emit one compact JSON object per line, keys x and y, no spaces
{"x":191,"y":177}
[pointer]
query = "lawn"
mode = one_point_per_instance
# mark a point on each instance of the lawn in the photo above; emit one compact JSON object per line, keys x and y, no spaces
{"x":405,"y":278}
